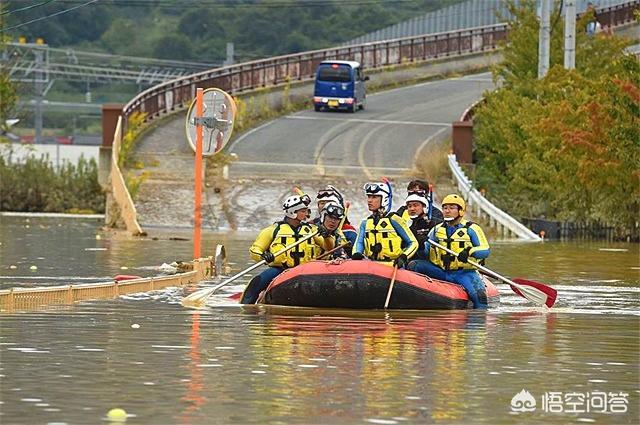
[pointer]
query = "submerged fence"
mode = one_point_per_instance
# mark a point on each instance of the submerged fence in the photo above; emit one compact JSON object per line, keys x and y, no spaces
{"x":550,"y":229}
{"x":22,"y":299}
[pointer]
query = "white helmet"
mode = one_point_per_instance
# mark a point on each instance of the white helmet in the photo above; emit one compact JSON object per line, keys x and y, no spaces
{"x":292,"y":205}
{"x":330,"y":194}
{"x":380,"y":189}
{"x":417,"y":198}
{"x":332,"y":209}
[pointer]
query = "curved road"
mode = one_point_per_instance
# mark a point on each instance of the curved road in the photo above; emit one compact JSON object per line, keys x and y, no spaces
{"x":307,"y":149}
{"x":384,"y":139}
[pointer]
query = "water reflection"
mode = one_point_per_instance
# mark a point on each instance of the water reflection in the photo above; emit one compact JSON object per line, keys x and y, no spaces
{"x":257,"y":364}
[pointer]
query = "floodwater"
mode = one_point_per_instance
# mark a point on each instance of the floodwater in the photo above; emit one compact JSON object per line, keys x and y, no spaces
{"x":577,"y":363}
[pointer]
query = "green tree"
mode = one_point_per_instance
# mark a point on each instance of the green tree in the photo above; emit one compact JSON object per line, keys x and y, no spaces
{"x":173,"y":46}
{"x":567,"y":146}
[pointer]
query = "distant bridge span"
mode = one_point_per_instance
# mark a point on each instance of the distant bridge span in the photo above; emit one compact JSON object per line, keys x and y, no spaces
{"x":171,"y":97}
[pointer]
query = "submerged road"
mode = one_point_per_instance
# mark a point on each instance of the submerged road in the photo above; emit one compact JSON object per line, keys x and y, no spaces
{"x":385,"y":139}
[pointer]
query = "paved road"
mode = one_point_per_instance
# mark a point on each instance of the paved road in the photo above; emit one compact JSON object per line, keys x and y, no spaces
{"x":306,"y":149}
{"x":382,"y":140}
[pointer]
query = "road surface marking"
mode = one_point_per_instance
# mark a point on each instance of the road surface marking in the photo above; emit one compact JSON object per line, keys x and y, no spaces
{"x":428,"y":124}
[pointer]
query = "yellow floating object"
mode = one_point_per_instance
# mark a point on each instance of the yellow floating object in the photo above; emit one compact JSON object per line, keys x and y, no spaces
{"x":13,"y":267}
{"x":33,"y":268}
{"x":98,"y":237}
{"x":135,"y":326}
{"x":117,"y":414}
{"x":124,"y":268}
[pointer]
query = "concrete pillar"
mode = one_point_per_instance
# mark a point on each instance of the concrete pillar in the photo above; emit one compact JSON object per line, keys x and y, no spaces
{"x":110,"y":114}
{"x":462,"y":138}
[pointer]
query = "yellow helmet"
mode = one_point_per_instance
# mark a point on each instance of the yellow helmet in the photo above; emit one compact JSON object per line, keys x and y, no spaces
{"x":454,"y":199}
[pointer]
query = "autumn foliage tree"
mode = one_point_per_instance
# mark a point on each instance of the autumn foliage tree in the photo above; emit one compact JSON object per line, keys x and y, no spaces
{"x":566,"y":147}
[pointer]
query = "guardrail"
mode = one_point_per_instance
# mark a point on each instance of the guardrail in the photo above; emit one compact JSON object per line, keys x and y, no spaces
{"x":23,"y":299}
{"x":480,"y":205}
{"x":275,"y":71}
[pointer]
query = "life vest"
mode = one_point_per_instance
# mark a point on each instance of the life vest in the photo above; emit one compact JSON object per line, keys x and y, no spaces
{"x":458,"y":241}
{"x":285,"y":235}
{"x":381,"y":241}
{"x":279,"y":235}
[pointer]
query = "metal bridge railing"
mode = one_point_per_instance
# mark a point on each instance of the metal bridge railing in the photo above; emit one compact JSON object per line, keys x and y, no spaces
{"x":170,"y":96}
{"x":481,"y":206}
{"x":167,"y":97}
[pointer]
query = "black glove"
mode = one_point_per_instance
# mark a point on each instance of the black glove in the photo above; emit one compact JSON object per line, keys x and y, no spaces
{"x":323,"y":231}
{"x":357,"y":256}
{"x":268,"y":257}
{"x":401,"y":261}
{"x":464,"y":255}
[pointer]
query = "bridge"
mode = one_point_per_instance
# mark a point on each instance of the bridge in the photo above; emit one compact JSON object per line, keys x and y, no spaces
{"x":310,"y":147}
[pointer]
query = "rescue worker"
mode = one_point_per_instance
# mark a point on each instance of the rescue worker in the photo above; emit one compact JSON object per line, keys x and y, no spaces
{"x":331,"y":216}
{"x":418,"y":222}
{"x":383,"y":236}
{"x":279,"y":235}
{"x":466,"y":239}
{"x":331,"y":194}
{"x":421,"y":188}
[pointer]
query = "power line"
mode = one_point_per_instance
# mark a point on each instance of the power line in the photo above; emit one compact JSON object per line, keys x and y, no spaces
{"x":7,"y":12}
{"x":182,"y":4}
{"x":48,"y":16}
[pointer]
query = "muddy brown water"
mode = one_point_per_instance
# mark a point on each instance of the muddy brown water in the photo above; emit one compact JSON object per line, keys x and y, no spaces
{"x":229,"y":364}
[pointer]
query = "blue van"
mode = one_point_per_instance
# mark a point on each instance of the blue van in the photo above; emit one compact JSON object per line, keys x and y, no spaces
{"x":339,"y":85}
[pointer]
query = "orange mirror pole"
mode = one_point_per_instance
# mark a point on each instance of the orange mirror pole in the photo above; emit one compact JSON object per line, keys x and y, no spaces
{"x":197,"y":208}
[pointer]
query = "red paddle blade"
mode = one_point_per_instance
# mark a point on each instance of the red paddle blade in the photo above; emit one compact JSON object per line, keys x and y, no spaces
{"x":551,"y":293}
{"x":235,"y":296}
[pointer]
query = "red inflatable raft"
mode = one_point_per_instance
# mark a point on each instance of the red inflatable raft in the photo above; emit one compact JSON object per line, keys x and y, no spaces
{"x":364,"y":285}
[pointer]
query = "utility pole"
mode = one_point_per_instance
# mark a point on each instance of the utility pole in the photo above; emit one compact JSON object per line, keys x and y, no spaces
{"x":230,"y":54}
{"x":39,"y":92}
{"x":544,"y":38}
{"x":570,"y":34}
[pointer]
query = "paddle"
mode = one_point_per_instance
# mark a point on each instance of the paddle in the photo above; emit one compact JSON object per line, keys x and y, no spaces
{"x":198,"y":298}
{"x":539,"y":293}
{"x":326,"y":254}
{"x":393,"y":280}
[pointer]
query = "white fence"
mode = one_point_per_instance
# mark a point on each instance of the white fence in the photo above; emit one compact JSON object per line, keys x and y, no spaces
{"x":56,"y":154}
{"x":481,"y":206}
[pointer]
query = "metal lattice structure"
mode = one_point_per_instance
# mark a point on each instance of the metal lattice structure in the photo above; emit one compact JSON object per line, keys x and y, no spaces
{"x":29,"y":62}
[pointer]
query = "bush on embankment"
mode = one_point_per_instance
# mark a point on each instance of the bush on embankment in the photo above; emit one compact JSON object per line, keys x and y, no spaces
{"x":566,"y":147}
{"x":36,"y":186}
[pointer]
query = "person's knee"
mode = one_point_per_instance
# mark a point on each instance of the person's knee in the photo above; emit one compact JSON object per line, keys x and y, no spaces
{"x":251,"y":292}
{"x":413,"y":265}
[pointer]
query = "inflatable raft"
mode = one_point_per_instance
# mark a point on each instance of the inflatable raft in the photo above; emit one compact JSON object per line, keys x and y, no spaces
{"x":364,"y":285}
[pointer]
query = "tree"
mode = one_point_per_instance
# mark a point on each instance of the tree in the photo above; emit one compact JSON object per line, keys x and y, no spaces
{"x":173,"y":46}
{"x":567,"y":146}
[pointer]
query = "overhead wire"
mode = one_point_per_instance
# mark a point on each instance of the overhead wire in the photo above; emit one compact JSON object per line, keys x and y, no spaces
{"x":48,"y":16}
{"x":33,"y":6}
{"x":181,"y":4}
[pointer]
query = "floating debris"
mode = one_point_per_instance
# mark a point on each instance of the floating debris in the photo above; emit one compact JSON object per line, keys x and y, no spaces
{"x":117,"y":415}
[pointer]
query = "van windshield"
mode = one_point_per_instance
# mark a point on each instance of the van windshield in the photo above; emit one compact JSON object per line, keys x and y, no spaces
{"x":341,"y":74}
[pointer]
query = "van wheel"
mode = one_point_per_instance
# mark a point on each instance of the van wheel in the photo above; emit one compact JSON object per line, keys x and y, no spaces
{"x":353,"y":108}
{"x":317,"y":108}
